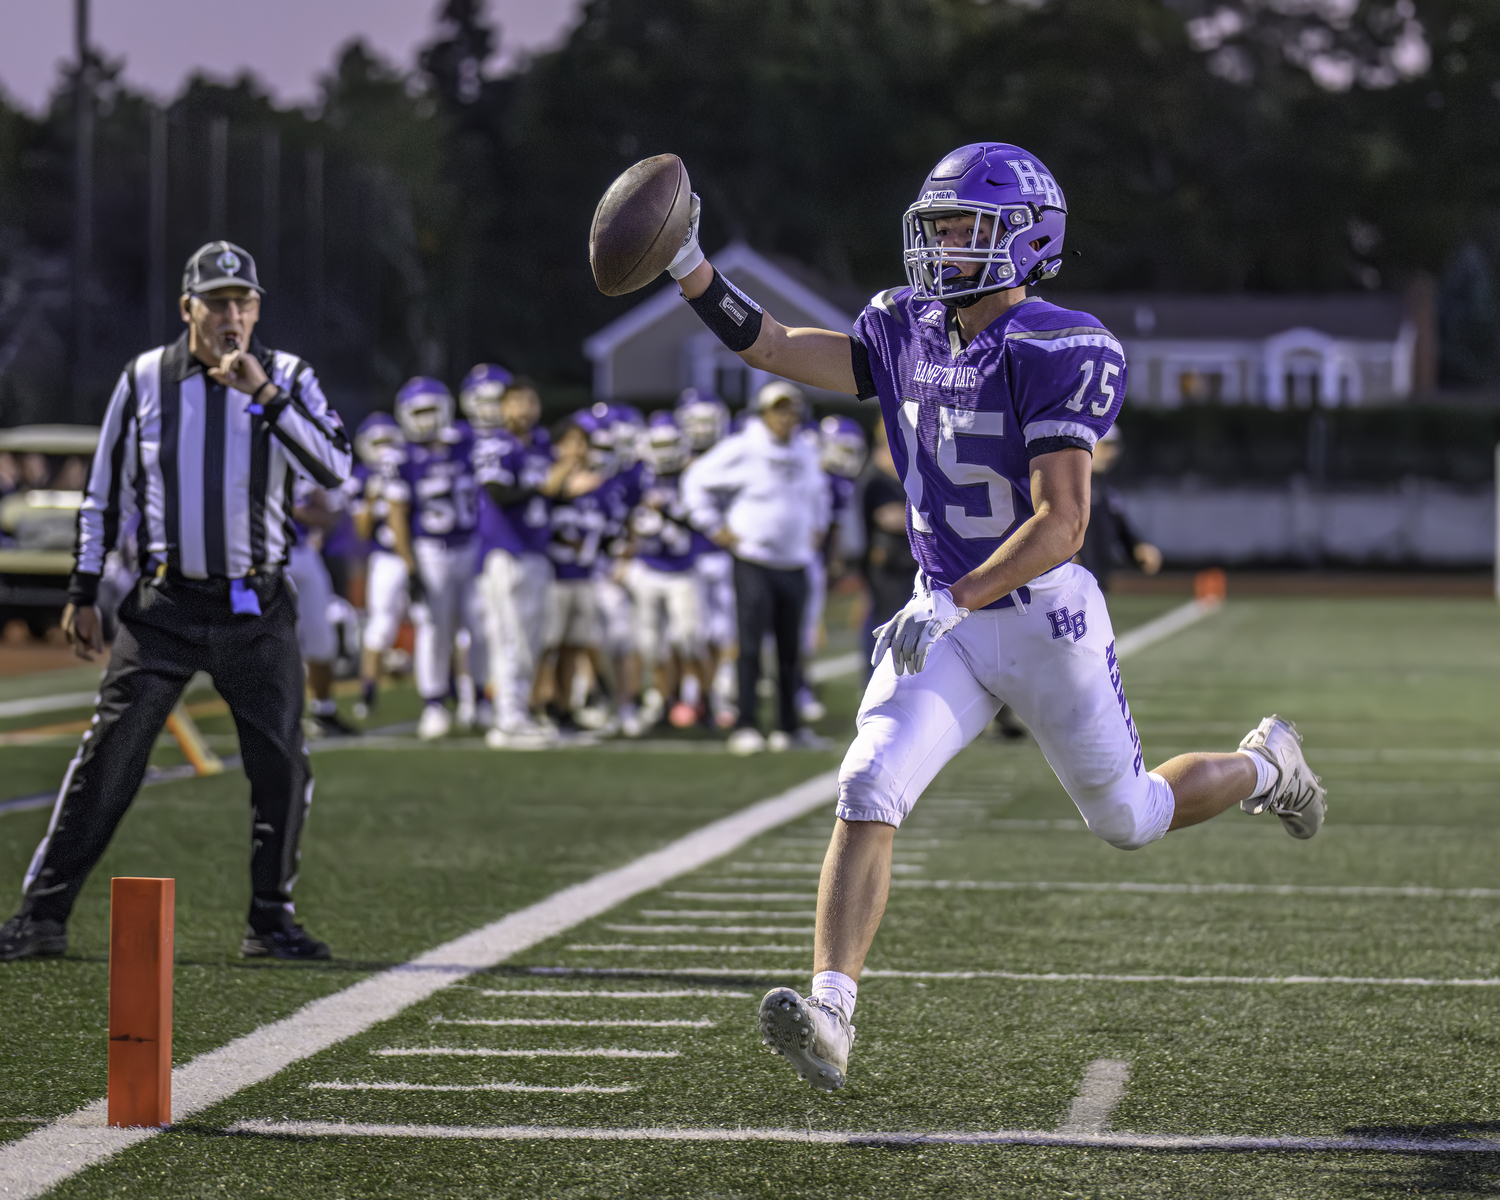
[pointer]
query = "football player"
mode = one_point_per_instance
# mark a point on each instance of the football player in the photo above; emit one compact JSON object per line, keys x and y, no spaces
{"x":663,"y":579}
{"x":443,"y":515}
{"x":382,"y":493}
{"x":993,"y":400}
{"x":313,"y":518}
{"x":705,"y":420}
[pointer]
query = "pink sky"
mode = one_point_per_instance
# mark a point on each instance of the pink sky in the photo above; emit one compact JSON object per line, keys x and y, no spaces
{"x":287,"y":43}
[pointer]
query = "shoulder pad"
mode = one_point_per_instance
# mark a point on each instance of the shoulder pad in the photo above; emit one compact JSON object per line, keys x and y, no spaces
{"x":893,"y":302}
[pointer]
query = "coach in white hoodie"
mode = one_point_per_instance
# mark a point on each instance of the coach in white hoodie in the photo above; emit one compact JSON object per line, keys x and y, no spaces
{"x":762,"y":495}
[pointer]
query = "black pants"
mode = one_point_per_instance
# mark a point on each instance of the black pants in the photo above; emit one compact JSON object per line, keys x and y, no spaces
{"x":168,"y":632}
{"x":769,"y":600}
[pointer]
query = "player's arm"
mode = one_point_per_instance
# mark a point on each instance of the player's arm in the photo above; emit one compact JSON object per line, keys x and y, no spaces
{"x":1060,"y":498}
{"x":398,"y":521}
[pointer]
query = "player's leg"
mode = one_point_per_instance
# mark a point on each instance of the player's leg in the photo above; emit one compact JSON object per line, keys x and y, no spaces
{"x":909,"y":728}
{"x":385,"y":604}
{"x":432,"y":658}
{"x":689,"y":647}
{"x":255,"y":668}
{"x":148,"y":668}
{"x":312,"y":587}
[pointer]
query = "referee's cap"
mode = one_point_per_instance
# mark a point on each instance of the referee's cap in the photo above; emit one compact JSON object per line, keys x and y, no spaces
{"x":217,"y":265}
{"x":779,"y":391}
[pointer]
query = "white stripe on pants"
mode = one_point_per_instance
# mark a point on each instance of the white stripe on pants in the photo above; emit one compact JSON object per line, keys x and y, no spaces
{"x":446,"y":572}
{"x":515,"y":588}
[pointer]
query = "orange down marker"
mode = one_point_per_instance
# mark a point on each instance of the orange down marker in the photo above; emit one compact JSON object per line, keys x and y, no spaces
{"x":141,"y":914}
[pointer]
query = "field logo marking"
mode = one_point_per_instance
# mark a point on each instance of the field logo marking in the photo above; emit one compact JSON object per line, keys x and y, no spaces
{"x":41,"y":1160}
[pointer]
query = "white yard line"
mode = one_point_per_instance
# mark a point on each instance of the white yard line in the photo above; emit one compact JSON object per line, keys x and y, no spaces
{"x":484,"y":1052}
{"x":774,"y":972}
{"x":35,"y":705}
{"x":1133,"y":641}
{"x":822,"y":669}
{"x":631,"y":947}
{"x":573,"y":1089}
{"x":637,"y":994}
{"x":1203,"y":889}
{"x":807,"y":929}
{"x":1002,"y":1137}
{"x":708,"y":913}
{"x":1103,"y":1088}
{"x":36,"y":1163}
{"x":739,"y":895}
{"x":562,"y":1022}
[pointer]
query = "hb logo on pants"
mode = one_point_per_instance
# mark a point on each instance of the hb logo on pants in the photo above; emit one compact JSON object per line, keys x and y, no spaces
{"x":1065,"y":623}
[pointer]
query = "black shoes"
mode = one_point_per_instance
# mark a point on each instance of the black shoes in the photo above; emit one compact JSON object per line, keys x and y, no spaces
{"x":331,"y":725}
{"x":26,"y":937}
{"x":293,"y":942}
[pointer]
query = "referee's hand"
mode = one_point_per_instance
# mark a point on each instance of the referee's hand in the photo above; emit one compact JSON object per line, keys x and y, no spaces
{"x":84,"y":629}
{"x":240,"y":370}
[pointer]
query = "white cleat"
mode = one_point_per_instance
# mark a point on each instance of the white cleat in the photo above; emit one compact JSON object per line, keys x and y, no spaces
{"x":745,"y":741}
{"x":1298,"y":797}
{"x":814,"y":1037}
{"x":528,"y":736}
{"x":435,"y":722}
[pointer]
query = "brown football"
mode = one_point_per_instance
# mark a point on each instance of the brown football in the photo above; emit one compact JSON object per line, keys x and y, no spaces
{"x":640,"y":224}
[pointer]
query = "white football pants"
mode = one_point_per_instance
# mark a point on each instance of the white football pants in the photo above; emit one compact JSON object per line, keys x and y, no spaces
{"x":446,"y":575}
{"x":716,"y":575}
{"x":385,"y":599}
{"x":572,"y":614}
{"x":1055,"y":665}
{"x":313,"y":587}
{"x":671,"y":599}
{"x":616,"y":617}
{"x":514,"y":588}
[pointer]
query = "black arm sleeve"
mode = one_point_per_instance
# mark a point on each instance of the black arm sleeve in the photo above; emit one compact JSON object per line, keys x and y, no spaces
{"x":506,"y":495}
{"x":864,"y":378}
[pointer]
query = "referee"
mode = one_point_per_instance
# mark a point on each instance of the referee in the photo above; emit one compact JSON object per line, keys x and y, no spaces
{"x":200,"y":444}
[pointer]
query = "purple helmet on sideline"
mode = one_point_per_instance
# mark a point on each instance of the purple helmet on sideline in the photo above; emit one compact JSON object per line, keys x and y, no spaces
{"x":479,"y":394}
{"x":424,"y":408}
{"x":628,"y":427}
{"x":842,"y":448}
{"x":1019,"y":218}
{"x":664,"y":446}
{"x":703,"y":417}
{"x":598,"y":421}
{"x":378,"y":440}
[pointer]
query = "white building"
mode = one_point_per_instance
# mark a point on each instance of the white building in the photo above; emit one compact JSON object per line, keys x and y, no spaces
{"x":1295,"y":350}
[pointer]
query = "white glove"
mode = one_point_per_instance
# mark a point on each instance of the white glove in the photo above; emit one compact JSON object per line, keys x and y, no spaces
{"x":690,"y":255}
{"x":910,"y":633}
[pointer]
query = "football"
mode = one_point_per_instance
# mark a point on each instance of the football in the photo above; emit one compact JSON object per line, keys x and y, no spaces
{"x":640,"y":224}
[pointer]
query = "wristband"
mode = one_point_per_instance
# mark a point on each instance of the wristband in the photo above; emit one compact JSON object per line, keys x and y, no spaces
{"x":733,"y":317}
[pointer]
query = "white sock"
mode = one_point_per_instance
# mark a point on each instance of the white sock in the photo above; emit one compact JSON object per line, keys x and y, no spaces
{"x":837,"y":989}
{"x":1265,"y":774}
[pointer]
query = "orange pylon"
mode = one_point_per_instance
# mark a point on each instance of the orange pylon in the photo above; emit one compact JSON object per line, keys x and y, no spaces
{"x":141,"y":918}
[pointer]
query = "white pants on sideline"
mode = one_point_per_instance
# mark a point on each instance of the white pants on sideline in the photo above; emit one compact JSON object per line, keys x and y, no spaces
{"x":313,"y":586}
{"x":446,"y":575}
{"x":817,"y":598}
{"x":385,"y":599}
{"x":616,"y":617}
{"x":716,"y":574}
{"x":572,"y":614}
{"x":1055,"y":665}
{"x":515,"y":589}
{"x":666,"y":602}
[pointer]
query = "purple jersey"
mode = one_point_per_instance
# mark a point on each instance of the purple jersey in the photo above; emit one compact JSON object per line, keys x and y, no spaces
{"x":965,"y":421}
{"x":500,"y":457}
{"x":378,"y":488}
{"x":440,"y":475}
{"x":664,"y":539}
{"x":580,"y":528}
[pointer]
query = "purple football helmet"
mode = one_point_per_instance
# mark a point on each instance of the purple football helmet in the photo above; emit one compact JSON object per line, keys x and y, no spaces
{"x":479,"y":394}
{"x":424,"y":408}
{"x":664,"y":446}
{"x":1018,"y":215}
{"x":379,"y":440}
{"x":703,"y":417}
{"x":598,"y":421}
{"x":842,"y":448}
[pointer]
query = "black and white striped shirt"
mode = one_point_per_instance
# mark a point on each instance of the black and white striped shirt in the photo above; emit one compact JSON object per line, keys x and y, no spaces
{"x":209,"y":478}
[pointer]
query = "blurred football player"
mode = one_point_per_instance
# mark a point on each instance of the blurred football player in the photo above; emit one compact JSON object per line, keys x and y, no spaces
{"x":383,"y":495}
{"x":313,"y":517}
{"x":663,"y":579}
{"x":993,"y":400}
{"x":443,"y":515}
{"x":1111,"y":541}
{"x":703,"y":417}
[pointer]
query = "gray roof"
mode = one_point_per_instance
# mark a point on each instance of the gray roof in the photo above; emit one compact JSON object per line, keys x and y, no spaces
{"x":1376,"y":316}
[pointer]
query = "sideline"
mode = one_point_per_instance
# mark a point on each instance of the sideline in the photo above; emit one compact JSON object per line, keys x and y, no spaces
{"x":44,"y":1158}
{"x":1133,"y":641}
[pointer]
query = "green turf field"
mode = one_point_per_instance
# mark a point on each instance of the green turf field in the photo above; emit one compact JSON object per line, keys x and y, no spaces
{"x":409,"y":847}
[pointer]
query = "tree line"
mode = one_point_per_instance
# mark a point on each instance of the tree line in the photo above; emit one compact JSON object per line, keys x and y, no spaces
{"x":423,"y":216}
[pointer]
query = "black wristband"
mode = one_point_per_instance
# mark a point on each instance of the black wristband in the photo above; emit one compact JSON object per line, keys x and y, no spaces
{"x":732,"y":315}
{"x":83,"y":588}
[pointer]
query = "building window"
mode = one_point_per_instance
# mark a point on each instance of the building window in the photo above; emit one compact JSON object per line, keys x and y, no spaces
{"x":1201,"y":387}
{"x":1304,"y":378}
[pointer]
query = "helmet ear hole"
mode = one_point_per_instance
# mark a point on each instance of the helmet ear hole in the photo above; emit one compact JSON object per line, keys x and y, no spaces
{"x":1040,"y":242}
